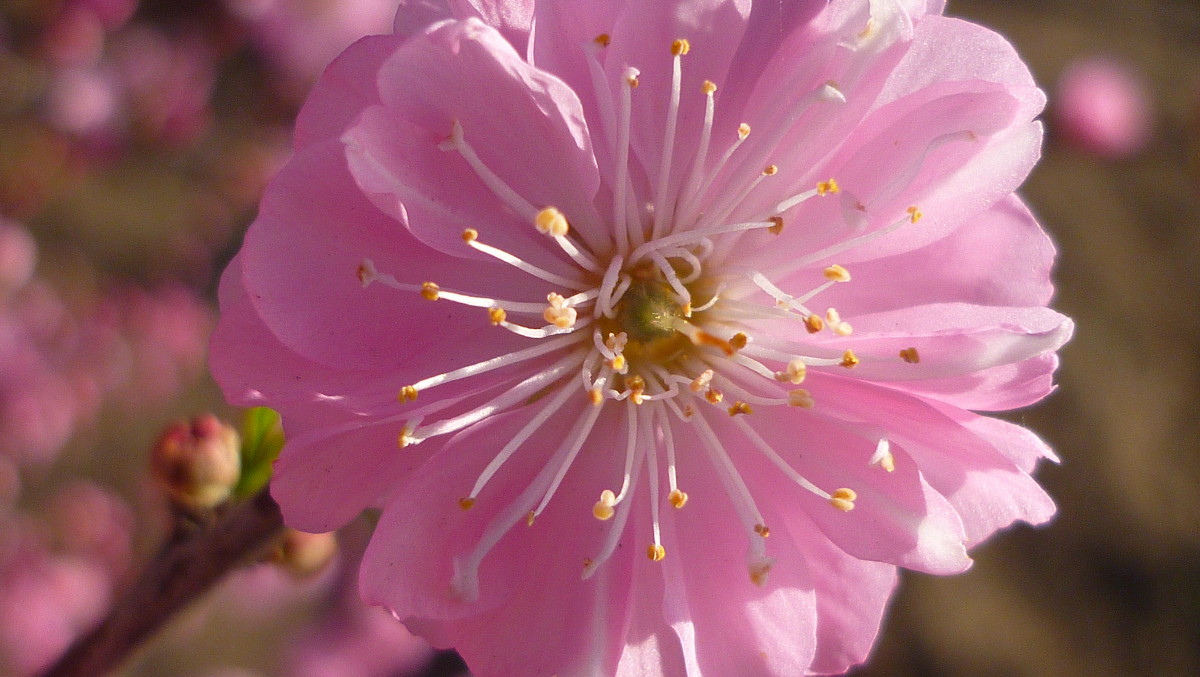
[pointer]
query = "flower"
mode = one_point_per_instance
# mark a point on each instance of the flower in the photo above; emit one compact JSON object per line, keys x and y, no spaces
{"x":1102,"y":108}
{"x":656,"y":332}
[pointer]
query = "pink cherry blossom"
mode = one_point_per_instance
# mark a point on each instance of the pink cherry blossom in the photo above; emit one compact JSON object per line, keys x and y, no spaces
{"x":591,"y":309}
{"x":1103,"y":108}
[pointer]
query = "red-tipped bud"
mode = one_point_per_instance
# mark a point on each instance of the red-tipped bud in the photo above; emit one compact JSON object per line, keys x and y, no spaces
{"x":197,"y":464}
{"x":302,"y":554}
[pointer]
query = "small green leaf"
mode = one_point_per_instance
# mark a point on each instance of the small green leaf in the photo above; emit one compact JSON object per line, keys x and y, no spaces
{"x":262,"y":439}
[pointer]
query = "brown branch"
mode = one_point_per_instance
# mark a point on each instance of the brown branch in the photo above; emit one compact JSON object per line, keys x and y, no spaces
{"x":185,"y":569}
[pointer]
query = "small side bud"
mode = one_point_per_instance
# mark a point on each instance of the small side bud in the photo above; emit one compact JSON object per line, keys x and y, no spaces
{"x":197,"y":464}
{"x":304,"y":555}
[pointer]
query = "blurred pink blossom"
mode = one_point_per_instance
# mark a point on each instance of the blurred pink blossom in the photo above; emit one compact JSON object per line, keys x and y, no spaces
{"x":581,"y":296}
{"x":302,"y":36}
{"x":1102,"y":107}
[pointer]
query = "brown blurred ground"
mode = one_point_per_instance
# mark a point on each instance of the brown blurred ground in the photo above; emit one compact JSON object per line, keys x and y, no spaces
{"x":1112,"y":587}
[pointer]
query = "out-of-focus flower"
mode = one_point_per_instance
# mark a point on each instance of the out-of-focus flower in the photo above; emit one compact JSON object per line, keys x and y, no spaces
{"x":198,"y":463}
{"x":1102,"y":107}
{"x":47,"y":599}
{"x":18,"y":256}
{"x":302,"y":36}
{"x":709,"y":272}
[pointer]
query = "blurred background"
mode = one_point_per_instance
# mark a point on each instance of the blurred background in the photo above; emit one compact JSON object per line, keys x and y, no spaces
{"x":136,"y":138}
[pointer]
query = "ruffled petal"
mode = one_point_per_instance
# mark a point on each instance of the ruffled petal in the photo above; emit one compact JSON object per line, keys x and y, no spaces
{"x":986,"y":488}
{"x":1000,"y":258}
{"x":525,"y":126}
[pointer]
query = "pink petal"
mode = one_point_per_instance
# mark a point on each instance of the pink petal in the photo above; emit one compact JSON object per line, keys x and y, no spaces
{"x":987,"y":489}
{"x":511,"y":629}
{"x":336,"y":99}
{"x":528,"y":130}
{"x":305,"y":284}
{"x":898,"y":518}
{"x":1000,"y":258}
{"x":971,"y":356}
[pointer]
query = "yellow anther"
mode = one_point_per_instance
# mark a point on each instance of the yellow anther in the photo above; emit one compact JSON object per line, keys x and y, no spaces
{"x":637,"y":388}
{"x":843,"y":499}
{"x":529,"y":518}
{"x":738,"y":341}
{"x":762,"y":530}
{"x":677,"y":498}
{"x":407,"y":394}
{"x":618,"y":364}
{"x":743,"y":130}
{"x":701,"y":382}
{"x":708,"y":87}
{"x":686,"y":309}
{"x":430,"y":290}
{"x":558,"y":313}
{"x":770,"y":170}
{"x":603,"y":509}
{"x":466,"y":503}
{"x":365,"y":273}
{"x":836,"y":273}
{"x":595,"y":396}
{"x":740,"y":407}
{"x":604,"y":39}
{"x":688,"y":412}
{"x":814,"y":324}
{"x":827,"y":187}
{"x":910,"y":355}
{"x":656,"y":552}
{"x":834,"y":321}
{"x":776,"y":226}
{"x":470,"y":235}
{"x":405,"y":437}
{"x":497,"y":315}
{"x":914,"y":214}
{"x":632,"y":81}
{"x":801,"y":398}
{"x":759,"y":571}
{"x":680,"y":47}
{"x":888,"y":462}
{"x":849,"y":359}
{"x":714,"y":396}
{"x":794,"y":373}
{"x":551,"y":222}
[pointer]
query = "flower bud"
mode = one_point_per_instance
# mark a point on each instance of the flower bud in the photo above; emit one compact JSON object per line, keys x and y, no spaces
{"x":198,"y":463}
{"x":302,"y":554}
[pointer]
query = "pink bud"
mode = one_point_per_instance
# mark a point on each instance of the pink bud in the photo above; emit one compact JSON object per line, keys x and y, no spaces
{"x":197,"y":464}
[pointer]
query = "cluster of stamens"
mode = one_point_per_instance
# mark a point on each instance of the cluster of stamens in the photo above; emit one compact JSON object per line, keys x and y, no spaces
{"x":654,"y":325}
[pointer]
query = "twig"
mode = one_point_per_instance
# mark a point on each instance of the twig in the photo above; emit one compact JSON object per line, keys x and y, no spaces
{"x":185,"y":568}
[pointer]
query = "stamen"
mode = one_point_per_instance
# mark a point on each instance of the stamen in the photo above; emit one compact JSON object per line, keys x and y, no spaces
{"x":470,"y":236}
{"x":510,"y":397}
{"x":910,"y":355}
{"x":552,"y":406}
{"x":794,"y":373}
{"x":542,"y":332}
{"x":558,"y":313}
{"x":700,"y":337}
{"x":911,"y":217}
{"x":849,"y":359}
{"x":607,"y":298}
{"x":883,"y":456}
{"x":693,"y":207}
{"x":493,"y":363}
{"x":843,"y":499}
{"x":662,"y":202}
{"x":835,"y":323}
{"x":502,"y":190}
{"x":694,"y":236}
{"x":735,"y":486}
{"x":621,"y":228}
{"x":774,"y":457}
{"x":465,"y":581}
{"x":575,"y":443}
{"x":693,"y":181}
{"x":603,"y":509}
{"x":740,"y":407}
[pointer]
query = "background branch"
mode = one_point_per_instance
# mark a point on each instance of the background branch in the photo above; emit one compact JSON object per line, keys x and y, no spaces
{"x":185,"y":568}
